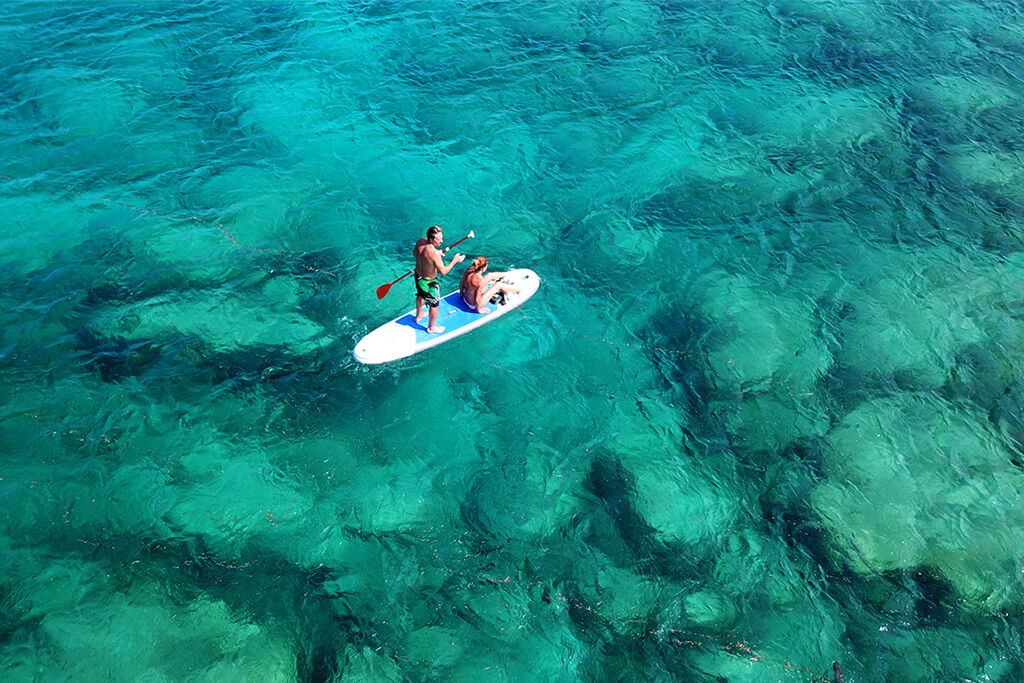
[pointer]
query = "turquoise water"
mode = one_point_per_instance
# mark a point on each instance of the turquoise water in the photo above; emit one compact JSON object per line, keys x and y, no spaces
{"x":764,"y":414}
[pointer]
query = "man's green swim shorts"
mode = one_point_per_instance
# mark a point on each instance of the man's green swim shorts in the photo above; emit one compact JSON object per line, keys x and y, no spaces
{"x":430,"y":290}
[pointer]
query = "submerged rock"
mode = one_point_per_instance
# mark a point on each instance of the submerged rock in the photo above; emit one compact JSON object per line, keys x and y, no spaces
{"x":930,"y":653}
{"x":916,"y":481}
{"x":762,"y":341}
{"x":66,"y":227}
{"x":770,"y":422}
{"x":824,"y":121}
{"x":981,"y":164}
{"x":910,"y":314}
{"x":682,"y":504}
{"x":225,"y":322}
{"x":80,"y":102}
{"x":625,"y":24}
{"x":956,"y":95}
{"x":525,"y":498}
{"x":626,"y":598}
{"x":709,"y":609}
{"x":139,"y":634}
{"x":257,"y":207}
{"x":229,"y":497}
{"x":366,"y":666}
{"x":434,"y":646}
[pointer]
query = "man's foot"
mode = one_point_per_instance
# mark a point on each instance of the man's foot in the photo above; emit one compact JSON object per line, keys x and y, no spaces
{"x":419,"y":316}
{"x":484,"y":310}
{"x":435,"y":329}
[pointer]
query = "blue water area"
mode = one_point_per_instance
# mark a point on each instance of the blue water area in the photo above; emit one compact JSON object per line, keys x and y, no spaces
{"x":767,"y":416}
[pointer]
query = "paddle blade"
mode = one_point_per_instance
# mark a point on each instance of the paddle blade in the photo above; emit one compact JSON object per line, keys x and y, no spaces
{"x":382,"y":291}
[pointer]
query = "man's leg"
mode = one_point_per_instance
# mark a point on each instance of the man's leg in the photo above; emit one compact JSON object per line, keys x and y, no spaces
{"x":419,"y":308}
{"x":433,"y":327}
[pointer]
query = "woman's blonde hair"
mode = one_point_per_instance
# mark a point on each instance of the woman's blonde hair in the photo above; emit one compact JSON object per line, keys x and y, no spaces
{"x":479,"y":263}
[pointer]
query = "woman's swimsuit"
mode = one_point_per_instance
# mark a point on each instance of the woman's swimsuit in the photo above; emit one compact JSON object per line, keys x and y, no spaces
{"x":493,"y":299}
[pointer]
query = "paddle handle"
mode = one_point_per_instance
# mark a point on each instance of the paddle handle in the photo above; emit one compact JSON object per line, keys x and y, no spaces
{"x":445,"y":250}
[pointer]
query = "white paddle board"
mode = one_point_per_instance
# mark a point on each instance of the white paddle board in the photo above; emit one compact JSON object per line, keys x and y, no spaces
{"x":404,"y":337}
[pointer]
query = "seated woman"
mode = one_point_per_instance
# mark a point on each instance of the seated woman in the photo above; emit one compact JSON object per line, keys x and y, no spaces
{"x":476,"y":288}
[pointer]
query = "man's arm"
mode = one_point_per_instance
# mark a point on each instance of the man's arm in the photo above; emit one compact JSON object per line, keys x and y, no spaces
{"x":439,"y":262}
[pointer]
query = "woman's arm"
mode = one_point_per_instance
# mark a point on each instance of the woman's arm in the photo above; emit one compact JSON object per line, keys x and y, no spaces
{"x":482,"y":296}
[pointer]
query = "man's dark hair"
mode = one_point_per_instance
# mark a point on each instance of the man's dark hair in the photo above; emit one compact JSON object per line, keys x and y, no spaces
{"x":432,"y":231}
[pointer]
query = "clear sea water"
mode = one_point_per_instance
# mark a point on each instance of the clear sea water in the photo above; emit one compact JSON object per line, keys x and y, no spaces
{"x":765,"y":413}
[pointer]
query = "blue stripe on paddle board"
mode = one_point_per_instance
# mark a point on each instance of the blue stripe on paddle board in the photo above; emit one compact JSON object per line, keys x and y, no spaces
{"x":452,"y":314}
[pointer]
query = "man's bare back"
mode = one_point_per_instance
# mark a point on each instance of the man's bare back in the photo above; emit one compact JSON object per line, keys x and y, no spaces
{"x":427,"y":256}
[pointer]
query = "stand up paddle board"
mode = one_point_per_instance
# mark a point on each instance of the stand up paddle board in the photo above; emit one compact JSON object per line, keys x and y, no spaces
{"x":403,"y":336}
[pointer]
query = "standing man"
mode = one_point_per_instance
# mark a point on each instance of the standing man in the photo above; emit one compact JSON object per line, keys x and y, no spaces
{"x":429,"y":266}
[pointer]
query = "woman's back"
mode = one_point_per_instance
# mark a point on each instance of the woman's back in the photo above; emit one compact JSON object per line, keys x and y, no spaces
{"x":472,"y":281}
{"x":470,"y":287}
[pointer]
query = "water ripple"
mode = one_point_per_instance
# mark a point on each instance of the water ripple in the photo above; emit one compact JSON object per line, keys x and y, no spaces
{"x":762,"y":416}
